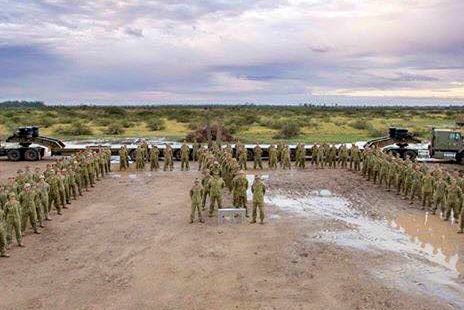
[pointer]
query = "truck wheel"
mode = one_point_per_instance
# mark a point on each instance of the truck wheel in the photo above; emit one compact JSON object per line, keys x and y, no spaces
{"x":392,"y":152}
{"x":412,"y":155}
{"x":133,"y":155}
{"x":250,"y":155}
{"x":31,"y":155}
{"x":13,"y":155}
{"x":460,"y":158}
{"x":177,"y":155}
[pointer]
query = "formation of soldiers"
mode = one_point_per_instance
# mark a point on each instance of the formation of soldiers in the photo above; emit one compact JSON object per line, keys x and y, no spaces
{"x":30,"y":197}
{"x":437,"y":189}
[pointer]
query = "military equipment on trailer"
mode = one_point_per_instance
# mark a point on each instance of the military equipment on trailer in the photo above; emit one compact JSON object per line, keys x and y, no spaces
{"x":401,"y":137}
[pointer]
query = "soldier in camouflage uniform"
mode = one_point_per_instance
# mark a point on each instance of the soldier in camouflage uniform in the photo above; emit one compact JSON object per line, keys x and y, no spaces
{"x":242,"y":158}
{"x":427,"y":191}
{"x":215,"y":187}
{"x":258,"y":189}
{"x":439,"y":195}
{"x":154,"y":157}
{"x":454,"y":200}
{"x":44,"y":189}
{"x":240,"y":186}
{"x":332,"y":157}
{"x":140,"y":158}
{"x":168,"y":161}
{"x":13,"y":219}
{"x":3,"y":243}
{"x":272,"y":157}
{"x":204,"y":182}
{"x":185,"y":153}
{"x":321,"y":156}
{"x":196,"y":195}
{"x":314,"y":150}
{"x":257,"y":154}
{"x":343,"y":156}
{"x":123,"y":158}
{"x":286,"y":158}
{"x":28,"y":211}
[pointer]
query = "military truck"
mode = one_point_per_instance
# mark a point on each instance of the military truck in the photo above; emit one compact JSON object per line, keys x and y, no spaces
{"x":447,"y":144}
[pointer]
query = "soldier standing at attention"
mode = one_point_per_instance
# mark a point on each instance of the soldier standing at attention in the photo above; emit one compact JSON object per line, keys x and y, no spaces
{"x":3,"y":234}
{"x":196,"y":147}
{"x":314,"y":150}
{"x":286,"y":158}
{"x":216,"y":187}
{"x":185,"y":153}
{"x":123,"y":161}
{"x":28,"y":211}
{"x":196,"y":195}
{"x":154,"y":155}
{"x":258,"y":189}
{"x":168,"y":164}
{"x":257,"y":154}
{"x":343,"y":156}
{"x":453,"y":200}
{"x":242,"y":158}
{"x":272,"y":157}
{"x":427,"y":191}
{"x":439,"y":195}
{"x":204,"y":183}
{"x":239,"y":188}
{"x":321,"y":156}
{"x":13,"y":219}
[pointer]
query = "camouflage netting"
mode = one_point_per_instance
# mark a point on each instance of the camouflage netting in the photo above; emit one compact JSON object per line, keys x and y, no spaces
{"x":201,"y":134}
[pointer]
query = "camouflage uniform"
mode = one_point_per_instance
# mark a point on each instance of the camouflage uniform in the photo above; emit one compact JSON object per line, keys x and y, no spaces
{"x":185,"y":153}
{"x":258,"y":189}
{"x":240,"y":186}
{"x":453,"y":201}
{"x":28,"y":211}
{"x":215,"y":186}
{"x":196,"y":195}
{"x":257,"y":154}
{"x":154,"y":156}
{"x":13,"y":220}
{"x":272,"y":157}
{"x":168,"y":161}
{"x":427,"y":191}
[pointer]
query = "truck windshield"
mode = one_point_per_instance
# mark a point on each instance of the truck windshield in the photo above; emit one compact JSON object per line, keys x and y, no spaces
{"x":455,"y":136}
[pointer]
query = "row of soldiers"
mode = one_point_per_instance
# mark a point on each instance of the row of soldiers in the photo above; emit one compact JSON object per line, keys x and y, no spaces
{"x":221,"y":171}
{"x":322,"y":156}
{"x":31,"y":195}
{"x":436,"y":188}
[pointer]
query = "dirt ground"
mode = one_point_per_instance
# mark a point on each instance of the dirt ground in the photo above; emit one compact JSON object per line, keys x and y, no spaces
{"x":127,"y":244}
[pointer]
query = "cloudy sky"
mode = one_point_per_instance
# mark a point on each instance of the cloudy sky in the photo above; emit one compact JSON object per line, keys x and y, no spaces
{"x":282,"y":51}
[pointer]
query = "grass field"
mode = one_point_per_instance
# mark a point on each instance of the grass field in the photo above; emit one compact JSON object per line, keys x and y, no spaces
{"x":249,"y":123}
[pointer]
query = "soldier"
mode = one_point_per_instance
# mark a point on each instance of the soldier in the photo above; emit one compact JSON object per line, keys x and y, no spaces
{"x":240,"y":186}
{"x":343,"y":156}
{"x":258,"y":189}
{"x":154,"y":156}
{"x":320,"y":156}
{"x":242,"y":158}
{"x":314,"y":150}
{"x":54,"y":197}
{"x":204,"y":183}
{"x":13,"y":219}
{"x":355,"y":157}
{"x":44,"y":189}
{"x":3,"y":243}
{"x":257,"y":154}
{"x":3,"y":196}
{"x":300,"y":160}
{"x":427,"y":191}
{"x":28,"y":211}
{"x":453,"y":200}
{"x":185,"y":153}
{"x":216,"y":187}
{"x":196,"y":195}
{"x":332,"y":157}
{"x":168,"y":163}
{"x":286,"y":158}
{"x":123,"y":160}
{"x":272,"y":157}
{"x":439,"y":196}
{"x":140,"y":158}
{"x":38,"y":204}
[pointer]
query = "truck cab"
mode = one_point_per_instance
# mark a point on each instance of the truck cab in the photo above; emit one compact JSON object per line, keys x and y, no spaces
{"x":447,"y":144}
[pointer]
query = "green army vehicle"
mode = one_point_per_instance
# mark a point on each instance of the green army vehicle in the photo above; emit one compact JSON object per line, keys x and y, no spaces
{"x":447,"y":144}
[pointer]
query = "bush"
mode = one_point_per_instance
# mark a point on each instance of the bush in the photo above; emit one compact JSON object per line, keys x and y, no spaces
{"x":288,"y":130}
{"x":115,"y":111}
{"x":74,"y":129}
{"x":360,"y":124}
{"x":127,"y":124}
{"x":156,"y":124}
{"x":46,"y":122}
{"x":115,"y":129}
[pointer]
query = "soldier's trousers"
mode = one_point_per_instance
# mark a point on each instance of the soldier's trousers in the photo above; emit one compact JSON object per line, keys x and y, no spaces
{"x":257,"y":162}
{"x":79,"y":185}
{"x":343,"y":162}
{"x":46,"y":205}
{"x":427,"y":199}
{"x":168,"y":165}
{"x":256,"y":205}
{"x":67,"y":192}
{"x":73,"y":189}
{"x":286,"y":164}
{"x":215,"y":200}
{"x":30,"y":215}
{"x":16,"y":225}
{"x":185,"y":164}
{"x":2,"y":238}
{"x":154,"y":165}
{"x":63,"y":199}
{"x":203,"y":203}
{"x":240,"y":202}
{"x":415,"y":190}
{"x":452,"y":205}
{"x":438,"y":203}
{"x":272,"y":163}
{"x":55,"y":201}
{"x":40,"y":214}
{"x":196,"y":207}
{"x":243,"y":165}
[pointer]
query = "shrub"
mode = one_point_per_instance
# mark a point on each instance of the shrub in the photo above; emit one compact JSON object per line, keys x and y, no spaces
{"x":360,"y":124}
{"x":115,"y":111}
{"x":74,"y":129}
{"x":288,"y":130}
{"x":156,"y":124}
{"x":115,"y":129}
{"x":126,"y":124}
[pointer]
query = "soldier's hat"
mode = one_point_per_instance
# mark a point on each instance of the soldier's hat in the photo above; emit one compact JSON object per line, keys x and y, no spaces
{"x":27,"y":185}
{"x":20,"y":171}
{"x":42,"y":177}
{"x":197,"y":180}
{"x":11,"y":195}
{"x":257,"y":176}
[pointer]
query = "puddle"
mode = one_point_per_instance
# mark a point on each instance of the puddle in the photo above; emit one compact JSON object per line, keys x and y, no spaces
{"x":428,"y":248}
{"x":132,"y":176}
{"x":114,"y":175}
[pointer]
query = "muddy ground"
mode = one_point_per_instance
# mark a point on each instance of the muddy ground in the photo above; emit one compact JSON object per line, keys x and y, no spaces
{"x":331,"y":241}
